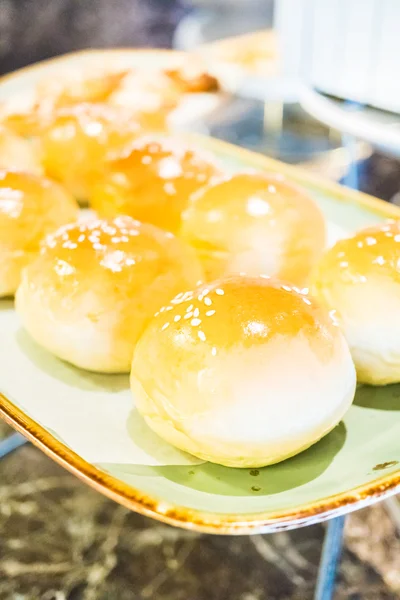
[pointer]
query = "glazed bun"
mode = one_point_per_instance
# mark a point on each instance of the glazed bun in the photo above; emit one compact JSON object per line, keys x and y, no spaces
{"x":152,"y":181}
{"x":244,"y":372}
{"x":76,"y":140}
{"x":156,"y":94}
{"x":360,"y":278}
{"x":95,"y":285}
{"x":18,"y":153}
{"x":76,"y":85}
{"x":255,"y":224}
{"x":30,"y":208}
{"x":151,"y":94}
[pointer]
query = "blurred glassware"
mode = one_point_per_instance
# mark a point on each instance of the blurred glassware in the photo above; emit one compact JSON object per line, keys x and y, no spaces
{"x":347,"y":49}
{"x":211,"y":20}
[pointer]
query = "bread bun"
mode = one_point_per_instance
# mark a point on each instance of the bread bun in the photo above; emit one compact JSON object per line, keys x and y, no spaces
{"x":360,"y":278}
{"x":152,"y":182}
{"x":30,"y":207}
{"x":244,"y":372}
{"x":95,"y":285}
{"x":76,"y":140}
{"x":255,"y":224}
{"x":78,"y":85}
{"x":18,"y":153}
{"x":151,"y":94}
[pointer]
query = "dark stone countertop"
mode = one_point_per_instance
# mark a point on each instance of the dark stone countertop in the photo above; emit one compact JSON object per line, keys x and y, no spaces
{"x":62,"y":541}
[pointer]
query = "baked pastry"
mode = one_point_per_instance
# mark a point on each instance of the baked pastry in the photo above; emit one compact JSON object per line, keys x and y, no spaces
{"x":151,"y":95}
{"x":359,"y":278}
{"x":27,"y":116}
{"x":80,"y":85}
{"x":255,"y":223}
{"x":31,"y":206}
{"x":76,"y":140}
{"x":95,"y":285}
{"x":152,"y":181}
{"x":17,"y":152}
{"x":244,"y":372}
{"x":160,"y":91}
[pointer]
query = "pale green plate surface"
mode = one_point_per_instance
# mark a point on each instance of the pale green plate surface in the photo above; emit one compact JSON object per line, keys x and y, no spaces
{"x":88,"y":422}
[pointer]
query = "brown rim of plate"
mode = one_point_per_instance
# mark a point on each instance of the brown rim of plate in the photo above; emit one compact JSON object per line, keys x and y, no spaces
{"x":206,"y":522}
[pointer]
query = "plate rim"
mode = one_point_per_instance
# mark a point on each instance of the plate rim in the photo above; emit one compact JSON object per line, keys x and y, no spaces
{"x":194,"y":519}
{"x":198,"y":520}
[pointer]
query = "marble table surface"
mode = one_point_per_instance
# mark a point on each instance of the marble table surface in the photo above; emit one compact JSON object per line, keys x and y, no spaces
{"x":59,"y":540}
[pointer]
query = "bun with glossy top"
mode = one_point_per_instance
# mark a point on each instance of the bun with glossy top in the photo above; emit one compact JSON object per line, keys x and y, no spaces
{"x":76,"y":140}
{"x":152,"y":181}
{"x":244,"y":372}
{"x":31,"y":206}
{"x":95,"y":285}
{"x":255,"y":224}
{"x":359,"y":277}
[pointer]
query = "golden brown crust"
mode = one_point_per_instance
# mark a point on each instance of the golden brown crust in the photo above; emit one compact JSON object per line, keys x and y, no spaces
{"x":255,"y":223}
{"x":359,"y":278}
{"x":238,"y":372}
{"x":152,"y":181}
{"x":18,"y":153}
{"x":76,"y":140}
{"x":30,"y":207}
{"x":243,"y":310}
{"x":374,"y":251}
{"x":95,"y":286}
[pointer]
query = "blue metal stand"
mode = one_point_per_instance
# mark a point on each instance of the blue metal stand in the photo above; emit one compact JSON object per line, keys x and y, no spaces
{"x":330,"y":557}
{"x":11,"y":443}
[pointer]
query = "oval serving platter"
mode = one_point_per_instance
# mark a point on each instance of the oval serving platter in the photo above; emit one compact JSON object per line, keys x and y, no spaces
{"x":88,"y":422}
